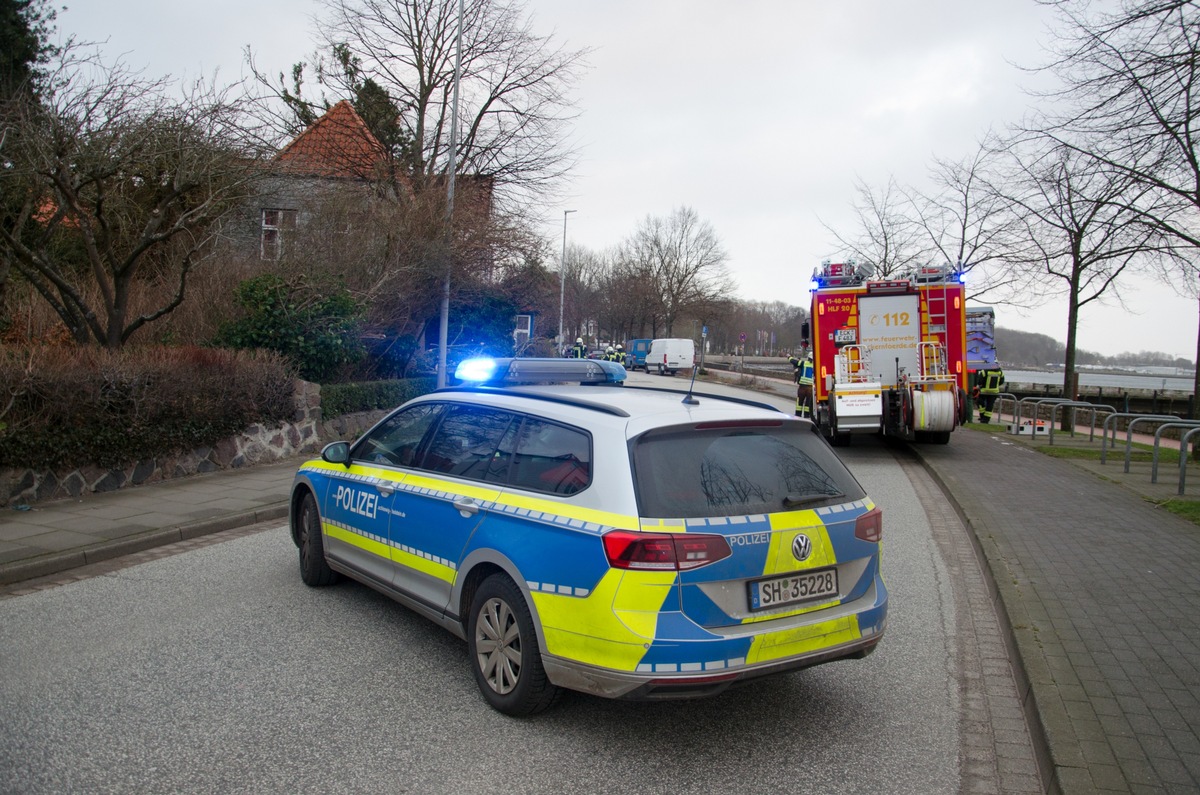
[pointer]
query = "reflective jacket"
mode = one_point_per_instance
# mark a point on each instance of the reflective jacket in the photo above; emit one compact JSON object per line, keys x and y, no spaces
{"x":804,"y":373}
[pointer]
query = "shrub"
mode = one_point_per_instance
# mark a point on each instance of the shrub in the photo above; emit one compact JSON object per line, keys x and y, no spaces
{"x":91,"y":406}
{"x":316,"y":327}
{"x":338,"y":399}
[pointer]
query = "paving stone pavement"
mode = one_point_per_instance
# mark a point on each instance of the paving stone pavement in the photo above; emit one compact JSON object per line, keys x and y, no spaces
{"x":60,"y":535}
{"x":1101,"y":593}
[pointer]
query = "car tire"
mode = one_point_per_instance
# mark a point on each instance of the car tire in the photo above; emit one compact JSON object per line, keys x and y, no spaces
{"x":314,"y":569}
{"x":505,"y":656}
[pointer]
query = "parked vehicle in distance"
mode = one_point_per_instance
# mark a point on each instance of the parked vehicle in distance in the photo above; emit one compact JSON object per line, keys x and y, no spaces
{"x":610,"y":539}
{"x":635,"y":354}
{"x":671,"y":354}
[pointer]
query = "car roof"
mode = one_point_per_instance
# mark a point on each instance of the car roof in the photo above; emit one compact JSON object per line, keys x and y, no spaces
{"x":616,"y":405}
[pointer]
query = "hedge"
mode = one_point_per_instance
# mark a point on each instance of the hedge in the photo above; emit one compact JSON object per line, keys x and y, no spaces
{"x":338,"y":399}
{"x":76,"y":406}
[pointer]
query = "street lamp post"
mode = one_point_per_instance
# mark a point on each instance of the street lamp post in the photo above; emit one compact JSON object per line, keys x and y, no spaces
{"x":562,"y":283}
{"x":444,"y":321}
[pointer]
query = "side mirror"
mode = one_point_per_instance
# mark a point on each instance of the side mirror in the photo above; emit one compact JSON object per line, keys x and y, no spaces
{"x":804,"y":331}
{"x":336,"y":453}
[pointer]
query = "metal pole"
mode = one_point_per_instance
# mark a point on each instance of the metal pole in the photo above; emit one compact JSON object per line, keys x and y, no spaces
{"x":444,"y":323}
{"x":562,"y":283}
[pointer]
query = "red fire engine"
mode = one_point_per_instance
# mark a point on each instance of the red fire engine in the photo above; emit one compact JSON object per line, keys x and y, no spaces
{"x":889,"y":355}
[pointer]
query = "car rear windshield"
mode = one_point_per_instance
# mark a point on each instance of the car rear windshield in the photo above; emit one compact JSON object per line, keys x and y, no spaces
{"x":737,"y":469}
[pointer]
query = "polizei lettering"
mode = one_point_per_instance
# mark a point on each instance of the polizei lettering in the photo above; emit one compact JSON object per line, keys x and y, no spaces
{"x":749,"y":539}
{"x":363,"y":503}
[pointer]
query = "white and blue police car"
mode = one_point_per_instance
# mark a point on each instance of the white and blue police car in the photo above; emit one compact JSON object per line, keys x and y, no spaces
{"x":582,"y":534}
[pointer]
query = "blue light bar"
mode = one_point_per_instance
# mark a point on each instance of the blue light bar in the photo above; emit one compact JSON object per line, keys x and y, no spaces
{"x":496,"y":372}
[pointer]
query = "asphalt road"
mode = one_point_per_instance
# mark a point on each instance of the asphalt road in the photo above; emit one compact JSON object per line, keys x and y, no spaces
{"x":217,"y":670}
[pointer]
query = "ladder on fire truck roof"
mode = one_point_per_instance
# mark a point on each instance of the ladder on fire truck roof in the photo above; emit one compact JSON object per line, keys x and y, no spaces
{"x":936,"y":299}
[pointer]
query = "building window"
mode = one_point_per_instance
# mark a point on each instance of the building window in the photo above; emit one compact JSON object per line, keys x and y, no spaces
{"x":524,"y":329}
{"x":276,"y":225}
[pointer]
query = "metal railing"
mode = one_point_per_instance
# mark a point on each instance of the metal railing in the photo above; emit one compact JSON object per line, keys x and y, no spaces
{"x":1125,"y":414}
{"x":1183,"y":456}
{"x":1129,"y":434}
{"x":1074,"y":406}
{"x":1158,"y":440}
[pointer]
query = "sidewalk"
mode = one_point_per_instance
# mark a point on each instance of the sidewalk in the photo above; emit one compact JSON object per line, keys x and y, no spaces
{"x":55,"y":536}
{"x":1100,"y":590}
{"x":1099,"y":586}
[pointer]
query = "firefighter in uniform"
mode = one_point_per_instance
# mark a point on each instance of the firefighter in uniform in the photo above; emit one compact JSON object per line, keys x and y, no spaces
{"x":610,"y":354}
{"x":620,"y":357}
{"x":803,"y":373}
{"x":988,"y":384}
{"x":578,"y":350}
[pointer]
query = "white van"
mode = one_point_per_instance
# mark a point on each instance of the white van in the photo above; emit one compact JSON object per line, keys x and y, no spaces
{"x":669,"y":355}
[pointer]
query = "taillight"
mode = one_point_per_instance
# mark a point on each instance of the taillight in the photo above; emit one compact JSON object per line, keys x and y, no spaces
{"x":869,"y":526}
{"x":663,"y":551}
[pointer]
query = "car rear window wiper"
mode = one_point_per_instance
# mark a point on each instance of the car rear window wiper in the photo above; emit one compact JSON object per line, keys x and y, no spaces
{"x":796,"y":500}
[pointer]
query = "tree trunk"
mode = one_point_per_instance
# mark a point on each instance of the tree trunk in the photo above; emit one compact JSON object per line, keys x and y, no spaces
{"x":1069,"y":363}
{"x":1196,"y":396}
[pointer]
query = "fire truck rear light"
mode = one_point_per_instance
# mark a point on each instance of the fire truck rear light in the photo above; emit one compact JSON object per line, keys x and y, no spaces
{"x":869,"y":526}
{"x":663,"y":551}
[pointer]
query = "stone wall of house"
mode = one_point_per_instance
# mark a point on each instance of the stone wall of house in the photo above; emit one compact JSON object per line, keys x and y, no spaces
{"x":258,"y":444}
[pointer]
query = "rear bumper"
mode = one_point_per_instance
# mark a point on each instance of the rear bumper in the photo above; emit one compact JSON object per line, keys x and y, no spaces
{"x":654,"y":686}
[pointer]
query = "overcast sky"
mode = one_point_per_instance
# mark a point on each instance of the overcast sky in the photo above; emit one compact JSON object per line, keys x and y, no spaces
{"x":758,"y":114}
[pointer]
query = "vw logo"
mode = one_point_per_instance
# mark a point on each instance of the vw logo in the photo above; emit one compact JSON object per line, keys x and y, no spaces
{"x":801,"y":547}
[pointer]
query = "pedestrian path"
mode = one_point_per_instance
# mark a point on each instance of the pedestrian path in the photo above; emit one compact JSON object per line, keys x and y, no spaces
{"x":1100,"y":589}
{"x":55,"y":536}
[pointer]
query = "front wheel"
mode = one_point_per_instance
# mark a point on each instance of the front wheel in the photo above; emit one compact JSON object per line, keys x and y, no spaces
{"x":505,"y":657}
{"x":314,"y":569}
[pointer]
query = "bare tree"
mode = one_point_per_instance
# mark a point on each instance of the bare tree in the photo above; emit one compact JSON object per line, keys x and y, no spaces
{"x":683,"y":261}
{"x":1132,"y":89}
{"x":1079,"y":231}
{"x":112,"y":185}
{"x":886,"y":238}
{"x":969,"y":226}
{"x":514,"y":88}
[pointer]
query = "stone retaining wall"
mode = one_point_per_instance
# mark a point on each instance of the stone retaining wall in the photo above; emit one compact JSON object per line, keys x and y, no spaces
{"x":258,"y":444}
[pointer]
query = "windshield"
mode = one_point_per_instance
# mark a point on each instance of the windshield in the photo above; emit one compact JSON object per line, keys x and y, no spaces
{"x":690,"y":473}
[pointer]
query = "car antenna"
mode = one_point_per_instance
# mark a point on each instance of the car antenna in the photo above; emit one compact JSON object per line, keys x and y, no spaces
{"x":688,"y":399}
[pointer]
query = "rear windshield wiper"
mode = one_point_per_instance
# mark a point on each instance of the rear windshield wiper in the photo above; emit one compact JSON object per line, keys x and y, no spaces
{"x":796,"y":500}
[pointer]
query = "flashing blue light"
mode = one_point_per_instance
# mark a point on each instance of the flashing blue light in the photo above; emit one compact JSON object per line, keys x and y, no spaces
{"x":814,"y":284}
{"x":962,"y":278}
{"x":538,"y":371}
{"x":477,"y":370}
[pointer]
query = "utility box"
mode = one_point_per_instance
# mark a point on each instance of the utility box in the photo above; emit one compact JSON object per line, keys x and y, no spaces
{"x":1029,"y":428}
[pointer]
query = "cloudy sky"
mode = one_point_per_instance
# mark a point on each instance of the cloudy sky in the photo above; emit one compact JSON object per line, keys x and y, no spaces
{"x":759,"y":114}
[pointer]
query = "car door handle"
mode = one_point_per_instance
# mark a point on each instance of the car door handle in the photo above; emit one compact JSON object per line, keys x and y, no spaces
{"x":466,"y":506}
{"x":384,"y":487}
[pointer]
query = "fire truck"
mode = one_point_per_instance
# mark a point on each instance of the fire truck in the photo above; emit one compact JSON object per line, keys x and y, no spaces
{"x":889,"y":355}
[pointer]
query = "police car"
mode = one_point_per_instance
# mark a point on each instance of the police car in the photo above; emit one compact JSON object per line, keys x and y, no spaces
{"x":582,"y":534}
